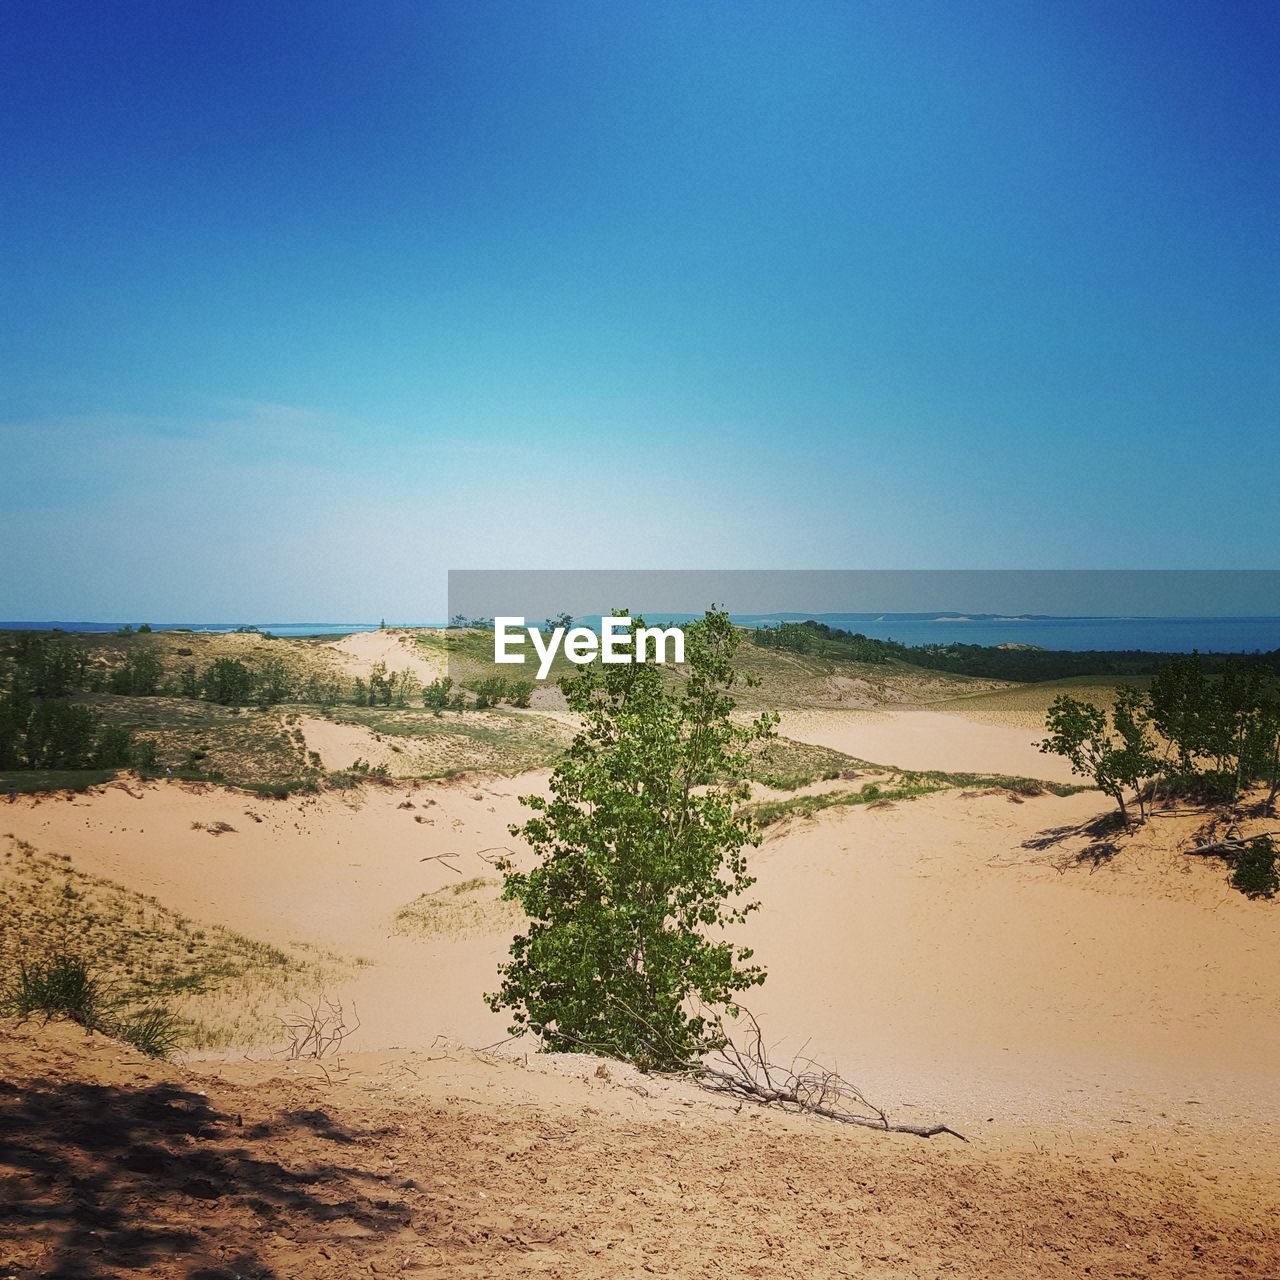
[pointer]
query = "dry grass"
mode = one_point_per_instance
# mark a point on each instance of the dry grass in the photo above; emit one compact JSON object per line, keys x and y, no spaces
{"x":1025,"y":706}
{"x":225,"y":986}
{"x":416,"y":743}
{"x":461,"y":910}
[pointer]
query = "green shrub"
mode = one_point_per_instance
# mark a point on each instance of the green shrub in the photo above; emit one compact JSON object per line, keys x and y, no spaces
{"x":228,"y":682}
{"x":490,"y":691}
{"x":435,"y":696}
{"x":519,"y":693}
{"x":156,"y":1031}
{"x":59,"y":987}
{"x":65,"y":987}
{"x":1254,"y":873}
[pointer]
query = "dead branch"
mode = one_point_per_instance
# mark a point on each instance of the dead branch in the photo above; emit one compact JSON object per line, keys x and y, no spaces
{"x":745,"y":1071}
{"x":1230,"y":847}
{"x":318,"y":1029}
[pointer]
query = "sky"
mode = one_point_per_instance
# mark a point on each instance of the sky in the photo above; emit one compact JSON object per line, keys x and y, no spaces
{"x":307,"y":304}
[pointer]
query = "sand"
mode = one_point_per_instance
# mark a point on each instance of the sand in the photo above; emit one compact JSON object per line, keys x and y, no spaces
{"x":364,"y":649}
{"x":915,"y":739}
{"x":922,"y":943}
{"x":447,"y":1164}
{"x":1107,"y":1035}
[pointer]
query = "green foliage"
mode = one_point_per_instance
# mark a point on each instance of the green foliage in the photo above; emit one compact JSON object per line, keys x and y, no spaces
{"x":638,"y":865}
{"x":435,"y":696}
{"x":1221,"y":733}
{"x":156,"y":1031}
{"x":275,"y":684}
{"x":46,"y":668}
{"x":1254,"y":873}
{"x":1117,"y":758}
{"x":326,"y":691}
{"x":114,"y":749}
{"x":520,"y":692}
{"x":138,"y":676}
{"x":65,"y":987}
{"x":60,"y":735}
{"x":228,"y":682}
{"x":1021,"y":663}
{"x":61,"y":987}
{"x":490,"y":691}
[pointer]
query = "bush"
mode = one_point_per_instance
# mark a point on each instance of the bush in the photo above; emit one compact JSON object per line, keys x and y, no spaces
{"x":638,"y":865}
{"x":114,"y":749}
{"x":1254,"y":873}
{"x":139,"y":675}
{"x":65,"y":987}
{"x":228,"y":682}
{"x":60,"y":735}
{"x":435,"y":696}
{"x":60,"y":987}
{"x":489,"y":692}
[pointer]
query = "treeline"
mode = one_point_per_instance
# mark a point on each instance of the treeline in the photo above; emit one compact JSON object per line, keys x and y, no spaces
{"x":58,"y":734}
{"x":1191,"y":733}
{"x":1017,"y":662}
{"x":818,"y":638}
{"x":39,"y":668}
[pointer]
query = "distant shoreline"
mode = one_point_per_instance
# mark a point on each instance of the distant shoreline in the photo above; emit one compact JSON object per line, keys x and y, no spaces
{"x":1058,"y":633}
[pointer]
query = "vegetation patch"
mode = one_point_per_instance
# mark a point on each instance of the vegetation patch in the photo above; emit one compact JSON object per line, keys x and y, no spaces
{"x":459,"y":910}
{"x":135,"y":953}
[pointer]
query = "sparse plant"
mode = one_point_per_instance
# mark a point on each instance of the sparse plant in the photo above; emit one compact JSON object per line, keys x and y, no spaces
{"x":154,"y":1031}
{"x":61,"y":986}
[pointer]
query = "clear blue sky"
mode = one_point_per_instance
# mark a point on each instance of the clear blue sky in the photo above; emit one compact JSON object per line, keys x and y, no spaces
{"x":307,"y":303}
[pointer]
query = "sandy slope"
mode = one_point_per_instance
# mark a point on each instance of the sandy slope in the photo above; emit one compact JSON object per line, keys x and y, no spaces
{"x":1107,"y":1036}
{"x":363,"y":649}
{"x":922,"y":946}
{"x":447,"y":1164}
{"x":912,"y":739}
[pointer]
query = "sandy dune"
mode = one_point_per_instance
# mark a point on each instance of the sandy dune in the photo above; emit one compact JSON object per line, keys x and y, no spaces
{"x":447,"y":1164}
{"x":922,"y":943}
{"x":1108,"y":1039}
{"x":364,"y":649}
{"x":912,"y":739}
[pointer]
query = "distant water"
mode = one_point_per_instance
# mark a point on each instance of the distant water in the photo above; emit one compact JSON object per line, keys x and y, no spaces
{"x":1154,"y":635}
{"x":275,"y":628}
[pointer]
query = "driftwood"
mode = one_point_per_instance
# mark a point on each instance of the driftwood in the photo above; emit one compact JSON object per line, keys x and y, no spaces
{"x":804,"y":1085}
{"x":1230,"y":847}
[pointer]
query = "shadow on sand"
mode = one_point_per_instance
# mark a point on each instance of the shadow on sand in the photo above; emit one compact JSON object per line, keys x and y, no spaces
{"x":100,"y":1180}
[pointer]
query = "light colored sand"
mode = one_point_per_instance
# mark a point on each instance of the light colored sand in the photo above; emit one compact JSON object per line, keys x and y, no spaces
{"x":446,"y":1164}
{"x":364,"y":649}
{"x":1109,"y":1038}
{"x":922,"y":943}
{"x":912,"y":739}
{"x":339,"y":746}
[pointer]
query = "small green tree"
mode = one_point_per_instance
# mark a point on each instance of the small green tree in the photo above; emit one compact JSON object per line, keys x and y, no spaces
{"x":1178,"y":706}
{"x":520,"y":693}
{"x":228,"y":681}
{"x":1117,"y":760}
{"x":275,"y":684}
{"x":115,"y":747}
{"x":435,"y":696}
{"x":490,"y":691}
{"x":640,"y":856}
